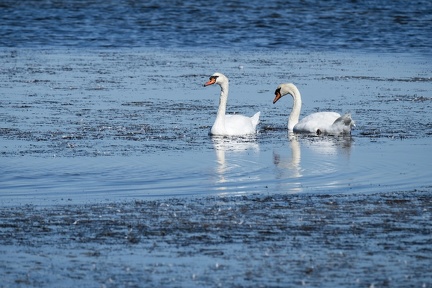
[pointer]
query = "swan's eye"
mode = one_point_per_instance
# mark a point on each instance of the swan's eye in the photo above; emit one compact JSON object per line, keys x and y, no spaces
{"x":277,"y":91}
{"x":213,"y":77}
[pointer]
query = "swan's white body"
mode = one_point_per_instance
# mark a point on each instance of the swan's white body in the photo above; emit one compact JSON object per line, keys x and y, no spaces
{"x":230,"y":125}
{"x":318,"y":123}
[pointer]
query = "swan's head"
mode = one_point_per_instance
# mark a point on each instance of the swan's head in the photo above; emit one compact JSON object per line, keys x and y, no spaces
{"x":216,"y":78}
{"x":285,"y":89}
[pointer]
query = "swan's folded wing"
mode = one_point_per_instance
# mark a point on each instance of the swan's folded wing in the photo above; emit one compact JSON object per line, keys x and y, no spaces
{"x":241,"y":125}
{"x":321,"y":121}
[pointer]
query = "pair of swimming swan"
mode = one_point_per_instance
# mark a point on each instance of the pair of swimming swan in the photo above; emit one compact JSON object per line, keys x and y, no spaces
{"x":235,"y":125}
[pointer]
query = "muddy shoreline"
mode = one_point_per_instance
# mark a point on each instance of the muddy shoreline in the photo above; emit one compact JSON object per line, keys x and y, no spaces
{"x":375,"y":240}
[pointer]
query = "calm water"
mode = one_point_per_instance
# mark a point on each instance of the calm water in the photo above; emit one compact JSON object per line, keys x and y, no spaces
{"x":387,"y":26}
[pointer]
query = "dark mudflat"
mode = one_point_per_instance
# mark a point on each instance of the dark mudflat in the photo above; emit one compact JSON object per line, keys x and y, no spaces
{"x":375,"y":240}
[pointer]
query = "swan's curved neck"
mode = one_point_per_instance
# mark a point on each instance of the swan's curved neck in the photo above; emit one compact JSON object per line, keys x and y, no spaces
{"x":219,"y":124}
{"x":295,"y":112}
{"x":222,"y":101}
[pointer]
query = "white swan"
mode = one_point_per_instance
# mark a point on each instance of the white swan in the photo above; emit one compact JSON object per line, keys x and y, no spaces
{"x":318,"y":123}
{"x":230,"y":125}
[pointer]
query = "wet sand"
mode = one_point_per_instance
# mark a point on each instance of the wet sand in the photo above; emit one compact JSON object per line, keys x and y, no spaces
{"x":379,"y":240}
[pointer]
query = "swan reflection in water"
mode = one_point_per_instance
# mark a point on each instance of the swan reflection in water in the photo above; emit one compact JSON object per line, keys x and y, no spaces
{"x":233,"y":168}
{"x":323,"y":157}
{"x":290,"y":165}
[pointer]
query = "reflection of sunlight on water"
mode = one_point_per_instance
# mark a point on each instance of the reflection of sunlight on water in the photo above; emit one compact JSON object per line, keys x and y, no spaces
{"x":294,"y":172}
{"x":232,"y":168}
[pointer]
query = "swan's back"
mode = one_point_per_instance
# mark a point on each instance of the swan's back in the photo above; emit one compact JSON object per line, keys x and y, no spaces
{"x":316,"y":122}
{"x":330,"y":123}
{"x":240,"y":125}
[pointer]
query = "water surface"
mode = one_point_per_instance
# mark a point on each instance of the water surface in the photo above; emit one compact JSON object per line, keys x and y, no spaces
{"x":115,"y":125}
{"x":108,"y":176}
{"x":384,"y":26}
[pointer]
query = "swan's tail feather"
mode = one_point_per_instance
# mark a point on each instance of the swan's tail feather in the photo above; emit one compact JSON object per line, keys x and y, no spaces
{"x":344,"y":123}
{"x":346,"y":120}
{"x":255,"y":119}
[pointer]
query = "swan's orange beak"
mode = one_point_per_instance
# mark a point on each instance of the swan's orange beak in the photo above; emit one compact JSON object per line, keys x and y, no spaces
{"x":277,"y":96}
{"x":210,"y":82}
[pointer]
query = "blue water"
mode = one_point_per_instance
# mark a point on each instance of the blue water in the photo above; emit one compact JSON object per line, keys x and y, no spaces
{"x":84,"y":126}
{"x":385,"y":26}
{"x":321,"y":166}
{"x":103,"y":100}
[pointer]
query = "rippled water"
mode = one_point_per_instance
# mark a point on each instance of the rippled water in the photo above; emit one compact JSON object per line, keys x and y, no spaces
{"x":313,"y":25}
{"x":111,"y":125}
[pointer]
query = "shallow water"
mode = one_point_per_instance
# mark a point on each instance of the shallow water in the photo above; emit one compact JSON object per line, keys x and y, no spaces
{"x":110,"y":125}
{"x":305,"y":166}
